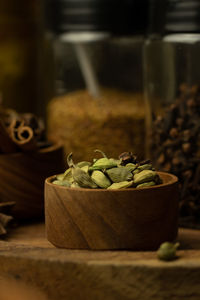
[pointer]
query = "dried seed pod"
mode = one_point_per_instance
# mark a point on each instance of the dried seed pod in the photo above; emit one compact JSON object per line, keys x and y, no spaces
{"x":131,"y":166}
{"x":120,"y":185}
{"x":144,"y":176}
{"x":145,"y":167}
{"x":85,"y":169}
{"x":68,"y":175}
{"x":82,"y":178}
{"x":83,"y":164}
{"x":136,"y":171}
{"x":104,"y":163}
{"x":100,"y":179}
{"x":62,"y":183}
{"x":75,"y":185}
{"x":167,"y":251}
{"x":120,"y":174}
{"x":60,"y":176}
{"x":146,"y":184}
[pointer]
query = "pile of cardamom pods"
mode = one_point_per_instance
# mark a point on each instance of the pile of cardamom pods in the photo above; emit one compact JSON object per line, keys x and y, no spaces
{"x":109,"y":173}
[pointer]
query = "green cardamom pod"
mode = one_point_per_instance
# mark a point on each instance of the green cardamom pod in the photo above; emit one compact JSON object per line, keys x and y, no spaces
{"x":145,"y":184}
{"x":75,"y":185}
{"x":167,"y":251}
{"x":136,"y":171}
{"x":62,"y":183}
{"x":82,"y":164}
{"x":131,"y":166}
{"x":120,"y":185}
{"x":103,"y":163}
{"x":85,"y":168}
{"x":100,"y":179}
{"x":83,"y":179}
{"x":119,"y":174}
{"x":68,"y":175}
{"x":144,"y":176}
{"x":60,"y":176}
{"x":145,"y":167}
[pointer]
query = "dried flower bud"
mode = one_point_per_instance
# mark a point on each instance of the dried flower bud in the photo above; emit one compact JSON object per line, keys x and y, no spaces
{"x":186,"y":147}
{"x":173,"y":133}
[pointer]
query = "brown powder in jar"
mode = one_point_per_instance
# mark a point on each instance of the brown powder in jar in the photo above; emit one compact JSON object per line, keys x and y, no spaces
{"x":114,"y":123}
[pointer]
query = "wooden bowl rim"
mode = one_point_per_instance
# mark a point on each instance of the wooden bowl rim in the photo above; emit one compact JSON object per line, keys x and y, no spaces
{"x":51,"y":148}
{"x":173,"y":180}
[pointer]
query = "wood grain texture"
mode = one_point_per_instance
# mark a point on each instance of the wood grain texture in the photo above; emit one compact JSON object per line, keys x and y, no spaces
{"x":139,"y":219}
{"x":22,"y":179}
{"x":103,"y":275}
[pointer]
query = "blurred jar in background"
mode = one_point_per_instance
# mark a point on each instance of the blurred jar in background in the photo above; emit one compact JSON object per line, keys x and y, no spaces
{"x":98,"y":100}
{"x":172,"y":88}
{"x":21,"y":52}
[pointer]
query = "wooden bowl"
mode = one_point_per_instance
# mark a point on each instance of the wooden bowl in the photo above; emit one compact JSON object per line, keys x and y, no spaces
{"x":22,"y":179}
{"x":137,"y":219}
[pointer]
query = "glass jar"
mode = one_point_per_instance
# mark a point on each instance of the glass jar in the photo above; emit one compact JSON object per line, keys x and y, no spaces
{"x":21,"y":51}
{"x":99,"y":86}
{"x":172,"y":89}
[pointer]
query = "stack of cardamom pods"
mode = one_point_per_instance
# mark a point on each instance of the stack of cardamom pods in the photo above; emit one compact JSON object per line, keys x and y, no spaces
{"x":109,"y":173}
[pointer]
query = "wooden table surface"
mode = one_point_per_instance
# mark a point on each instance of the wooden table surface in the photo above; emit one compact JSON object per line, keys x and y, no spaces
{"x":61,"y":274}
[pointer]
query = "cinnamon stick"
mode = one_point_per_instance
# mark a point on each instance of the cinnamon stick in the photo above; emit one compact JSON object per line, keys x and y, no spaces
{"x":22,"y":135}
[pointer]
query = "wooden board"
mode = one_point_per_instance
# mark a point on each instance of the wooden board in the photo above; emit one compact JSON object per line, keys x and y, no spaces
{"x":62,"y":274}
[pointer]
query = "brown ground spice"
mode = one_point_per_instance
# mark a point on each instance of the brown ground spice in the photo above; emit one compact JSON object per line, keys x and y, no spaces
{"x":114,"y":123}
